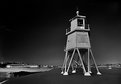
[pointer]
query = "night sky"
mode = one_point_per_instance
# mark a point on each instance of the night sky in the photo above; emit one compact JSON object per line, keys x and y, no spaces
{"x":33,"y":31}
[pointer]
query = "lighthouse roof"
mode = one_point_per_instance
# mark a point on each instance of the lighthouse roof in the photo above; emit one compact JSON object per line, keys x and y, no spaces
{"x":77,"y":16}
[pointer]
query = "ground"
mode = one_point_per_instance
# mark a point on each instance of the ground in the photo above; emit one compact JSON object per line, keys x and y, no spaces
{"x":109,"y":76}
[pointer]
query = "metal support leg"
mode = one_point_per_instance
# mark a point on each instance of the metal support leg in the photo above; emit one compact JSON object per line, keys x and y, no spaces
{"x":89,"y":68}
{"x":65,"y":63}
{"x":95,"y":63}
{"x":76,"y":62}
{"x":81,"y":61}
{"x":88,"y":61}
{"x":70,"y":60}
{"x":88,"y":65}
{"x":73,"y":69}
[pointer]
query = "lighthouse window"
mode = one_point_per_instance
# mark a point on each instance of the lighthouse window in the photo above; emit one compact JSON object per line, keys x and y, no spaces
{"x":80,"y":22}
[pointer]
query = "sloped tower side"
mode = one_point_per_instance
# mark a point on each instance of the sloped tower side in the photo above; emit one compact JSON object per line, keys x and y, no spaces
{"x":78,"y":48}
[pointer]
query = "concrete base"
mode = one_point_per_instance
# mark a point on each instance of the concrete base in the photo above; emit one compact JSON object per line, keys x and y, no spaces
{"x":87,"y":74}
{"x":62,"y":72}
{"x":74,"y":71}
{"x":90,"y":72}
{"x":65,"y":73}
{"x":98,"y":73}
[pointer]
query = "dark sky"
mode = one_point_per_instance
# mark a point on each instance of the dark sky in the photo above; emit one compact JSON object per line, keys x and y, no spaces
{"x":33,"y":31}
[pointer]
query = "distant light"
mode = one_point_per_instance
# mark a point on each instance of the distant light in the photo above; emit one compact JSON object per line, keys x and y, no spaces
{"x":8,"y":66}
{"x":109,"y":67}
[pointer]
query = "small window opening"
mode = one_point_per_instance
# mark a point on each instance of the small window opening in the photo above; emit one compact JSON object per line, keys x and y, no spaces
{"x":80,"y":22}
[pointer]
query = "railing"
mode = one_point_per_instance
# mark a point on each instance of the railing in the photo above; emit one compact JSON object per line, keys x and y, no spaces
{"x":68,"y":30}
{"x":87,"y":27}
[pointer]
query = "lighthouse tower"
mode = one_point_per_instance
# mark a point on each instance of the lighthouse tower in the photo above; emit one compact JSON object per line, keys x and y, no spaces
{"x":78,"y":51}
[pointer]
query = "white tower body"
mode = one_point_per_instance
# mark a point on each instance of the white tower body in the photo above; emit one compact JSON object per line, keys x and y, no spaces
{"x":78,"y":42}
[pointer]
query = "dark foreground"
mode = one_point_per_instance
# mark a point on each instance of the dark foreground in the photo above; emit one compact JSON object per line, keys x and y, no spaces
{"x":112,"y":76}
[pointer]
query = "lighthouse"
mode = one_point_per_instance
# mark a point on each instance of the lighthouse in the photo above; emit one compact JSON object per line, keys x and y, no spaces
{"x":78,"y":51}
